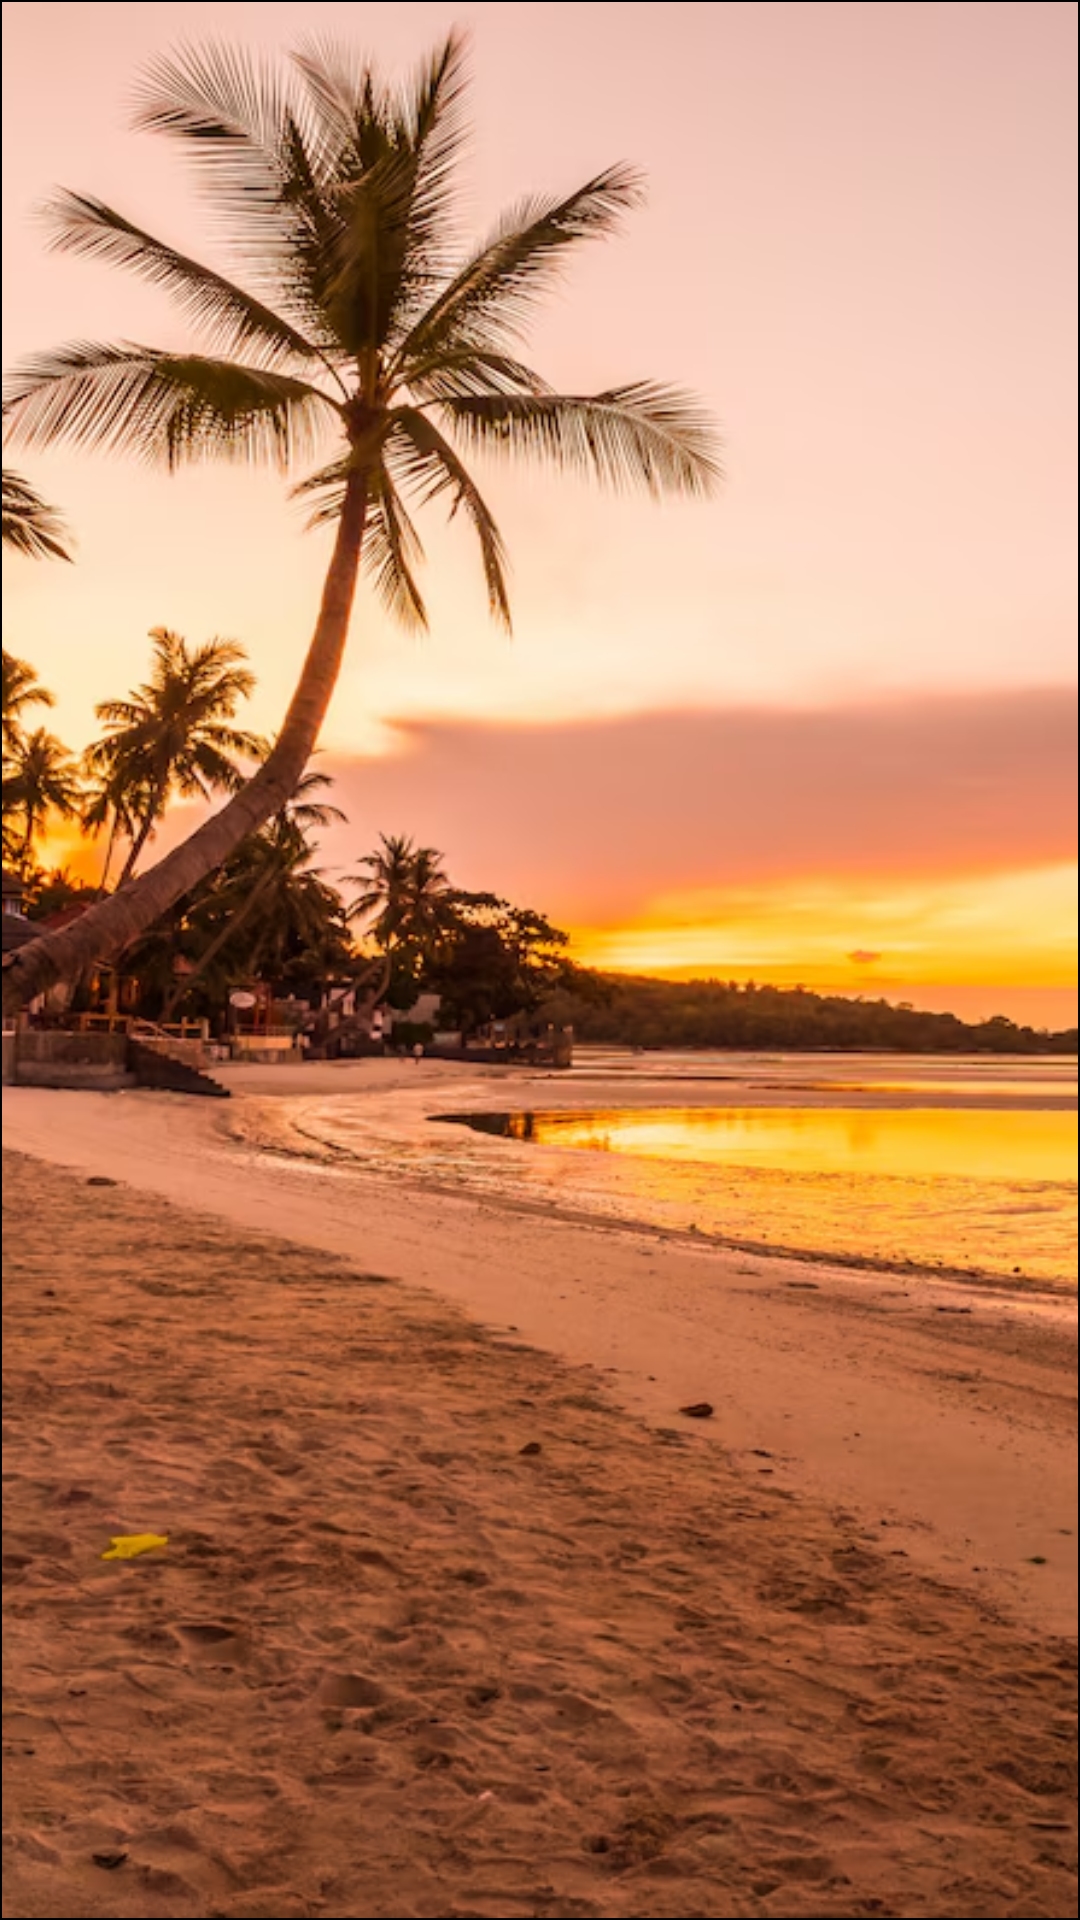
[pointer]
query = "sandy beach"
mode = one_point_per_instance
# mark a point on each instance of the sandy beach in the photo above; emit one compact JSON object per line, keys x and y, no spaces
{"x":459,"y":1614}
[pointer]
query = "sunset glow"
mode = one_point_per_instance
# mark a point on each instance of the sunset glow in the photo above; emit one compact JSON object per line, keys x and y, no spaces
{"x":828,"y":715}
{"x":986,"y":932}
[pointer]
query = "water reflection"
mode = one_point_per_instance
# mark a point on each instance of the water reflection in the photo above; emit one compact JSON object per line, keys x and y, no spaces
{"x":965,"y":1143}
{"x":984,"y":1191}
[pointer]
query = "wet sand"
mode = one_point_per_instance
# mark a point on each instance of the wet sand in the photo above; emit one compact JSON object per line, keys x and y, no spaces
{"x":449,"y":1625}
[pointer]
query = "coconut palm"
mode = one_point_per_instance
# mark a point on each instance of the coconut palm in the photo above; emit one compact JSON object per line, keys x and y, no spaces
{"x":113,"y":805}
{"x":22,"y":689}
{"x":30,"y":526}
{"x":44,"y":779}
{"x":171,"y":737}
{"x":404,"y":897}
{"x":353,"y":336}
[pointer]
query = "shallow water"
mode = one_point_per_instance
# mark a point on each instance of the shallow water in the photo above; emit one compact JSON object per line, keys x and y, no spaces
{"x":965,"y":1165}
{"x":1039,"y":1080}
{"x":996,"y":1146}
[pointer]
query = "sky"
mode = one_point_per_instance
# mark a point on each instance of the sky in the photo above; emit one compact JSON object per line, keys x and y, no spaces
{"x":820,"y":729}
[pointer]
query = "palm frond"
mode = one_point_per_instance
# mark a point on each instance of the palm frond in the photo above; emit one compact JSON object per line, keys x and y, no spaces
{"x":207,"y":766}
{"x":458,"y":372}
{"x":494,"y":296}
{"x":392,"y":550}
{"x":386,"y":178}
{"x":168,"y":407}
{"x":233,"y":321}
{"x":30,"y":526}
{"x":21,"y":689}
{"x":427,"y":464}
{"x":227,"y":107}
{"x":644,"y":435}
{"x":346,"y":100}
{"x":431,"y":116}
{"x":224,"y":740}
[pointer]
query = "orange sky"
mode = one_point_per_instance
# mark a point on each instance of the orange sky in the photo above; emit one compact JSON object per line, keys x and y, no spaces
{"x":829,"y":713}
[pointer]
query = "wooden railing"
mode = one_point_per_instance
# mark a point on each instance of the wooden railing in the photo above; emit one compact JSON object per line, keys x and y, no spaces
{"x":140,"y":1029}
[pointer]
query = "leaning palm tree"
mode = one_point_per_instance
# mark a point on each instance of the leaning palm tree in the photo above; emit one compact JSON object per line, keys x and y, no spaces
{"x":44,"y":779}
{"x":172,"y":736}
{"x":267,"y":861}
{"x":30,"y":526}
{"x":349,"y":339}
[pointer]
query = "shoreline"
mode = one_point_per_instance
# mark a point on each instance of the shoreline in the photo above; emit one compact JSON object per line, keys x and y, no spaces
{"x":982,"y":1282}
{"x":943,"y":1409}
{"x":281,"y":1114}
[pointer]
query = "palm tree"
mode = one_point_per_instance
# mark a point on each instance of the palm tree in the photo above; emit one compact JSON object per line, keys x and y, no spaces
{"x":404,"y":897}
{"x":22,"y":689}
{"x":336,"y":195}
{"x":30,"y":526}
{"x":111,"y":805}
{"x":44,"y":780}
{"x":171,"y":736}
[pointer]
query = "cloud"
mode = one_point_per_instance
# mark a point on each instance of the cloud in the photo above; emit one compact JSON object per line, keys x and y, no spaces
{"x":863,"y":958}
{"x":591,"y":821}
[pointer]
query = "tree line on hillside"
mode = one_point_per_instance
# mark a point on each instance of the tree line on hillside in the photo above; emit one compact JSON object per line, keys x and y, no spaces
{"x":637,"y":1011}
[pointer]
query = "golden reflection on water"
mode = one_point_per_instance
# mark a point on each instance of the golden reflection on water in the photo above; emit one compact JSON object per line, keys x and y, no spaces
{"x":985,"y":1191}
{"x":963,"y":1143}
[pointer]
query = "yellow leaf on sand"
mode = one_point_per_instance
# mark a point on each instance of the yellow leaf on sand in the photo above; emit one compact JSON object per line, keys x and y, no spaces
{"x":125,"y":1546}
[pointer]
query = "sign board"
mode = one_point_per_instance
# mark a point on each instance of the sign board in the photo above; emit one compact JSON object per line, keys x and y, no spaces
{"x":241,"y":998}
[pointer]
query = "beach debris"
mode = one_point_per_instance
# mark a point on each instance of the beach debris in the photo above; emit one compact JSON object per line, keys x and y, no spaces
{"x":531,"y":1447}
{"x":483,"y":1804}
{"x":101,"y":1180}
{"x":110,"y":1859}
{"x":952,"y":1309}
{"x":698,"y":1410}
{"x":127,"y":1546}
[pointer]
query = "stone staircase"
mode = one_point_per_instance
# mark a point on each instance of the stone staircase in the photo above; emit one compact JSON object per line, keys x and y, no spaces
{"x":151,"y":1064}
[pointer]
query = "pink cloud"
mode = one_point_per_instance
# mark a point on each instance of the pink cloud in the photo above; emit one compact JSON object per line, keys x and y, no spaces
{"x":592,"y":820}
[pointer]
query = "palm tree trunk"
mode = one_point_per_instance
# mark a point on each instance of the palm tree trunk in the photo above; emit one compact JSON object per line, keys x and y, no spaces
{"x":153,"y":813}
{"x":113,"y":923}
{"x":110,"y":848}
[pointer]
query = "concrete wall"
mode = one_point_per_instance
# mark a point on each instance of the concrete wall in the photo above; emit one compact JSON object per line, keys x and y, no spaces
{"x":55,"y":1059}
